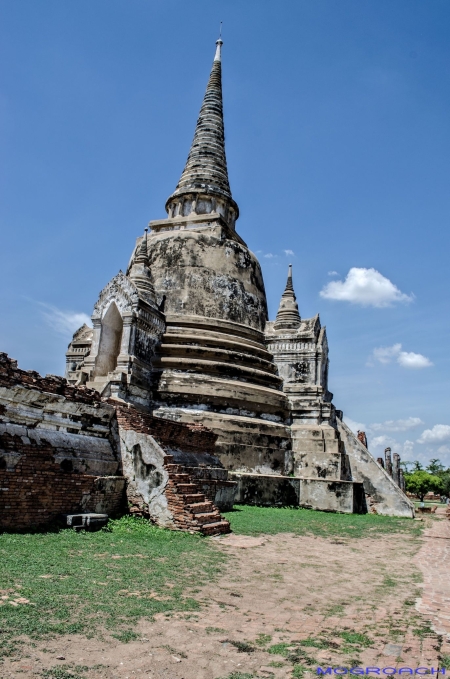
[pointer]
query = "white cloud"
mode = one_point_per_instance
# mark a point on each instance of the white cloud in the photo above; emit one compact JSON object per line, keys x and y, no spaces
{"x":269,"y":255}
{"x":407,"y":359}
{"x":333,"y":273}
{"x":354,"y":426}
{"x":289,"y":252}
{"x":64,"y":322}
{"x":440,"y":433}
{"x":367,"y":287}
{"x":443,"y":449}
{"x":396,"y":425}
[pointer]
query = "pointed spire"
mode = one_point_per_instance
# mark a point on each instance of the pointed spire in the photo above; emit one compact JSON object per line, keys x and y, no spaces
{"x":140,"y":272}
{"x":288,"y":316}
{"x":205,"y":176}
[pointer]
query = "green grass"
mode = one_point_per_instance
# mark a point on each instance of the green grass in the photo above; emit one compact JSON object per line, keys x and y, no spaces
{"x":251,"y":520}
{"x":263,"y":639}
{"x":77,"y":582}
{"x":356,"y":638}
{"x":445,"y":661}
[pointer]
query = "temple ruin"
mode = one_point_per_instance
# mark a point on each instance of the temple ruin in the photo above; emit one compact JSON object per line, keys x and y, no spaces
{"x":182,"y":339}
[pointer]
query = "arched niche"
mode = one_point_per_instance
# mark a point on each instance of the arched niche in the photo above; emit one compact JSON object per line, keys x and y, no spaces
{"x":110,"y":338}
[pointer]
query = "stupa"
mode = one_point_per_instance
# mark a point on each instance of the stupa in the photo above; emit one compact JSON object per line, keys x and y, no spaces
{"x":184,"y":334}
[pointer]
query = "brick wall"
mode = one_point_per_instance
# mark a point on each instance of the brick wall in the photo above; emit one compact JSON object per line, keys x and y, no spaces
{"x":190,"y":437}
{"x":37,"y":489}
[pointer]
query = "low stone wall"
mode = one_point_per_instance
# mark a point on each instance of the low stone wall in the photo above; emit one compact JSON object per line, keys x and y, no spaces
{"x":266,"y":490}
{"x":323,"y":494}
{"x":332,"y":496}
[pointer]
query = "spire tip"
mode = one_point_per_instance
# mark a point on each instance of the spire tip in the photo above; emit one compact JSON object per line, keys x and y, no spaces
{"x":219,"y":44}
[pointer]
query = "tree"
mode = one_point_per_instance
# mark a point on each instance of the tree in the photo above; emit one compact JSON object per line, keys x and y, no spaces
{"x":421,"y":482}
{"x":417,"y":466}
{"x":435,"y":467}
{"x":445,"y":478}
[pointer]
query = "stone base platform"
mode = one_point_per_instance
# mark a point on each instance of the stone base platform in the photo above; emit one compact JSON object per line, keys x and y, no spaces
{"x":323,"y":494}
{"x":244,"y":444}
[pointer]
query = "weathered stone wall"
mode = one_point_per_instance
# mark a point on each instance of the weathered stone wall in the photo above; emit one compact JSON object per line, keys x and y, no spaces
{"x":202,"y":272}
{"x":267,"y":490}
{"x":331,"y":496}
{"x":311,"y":493}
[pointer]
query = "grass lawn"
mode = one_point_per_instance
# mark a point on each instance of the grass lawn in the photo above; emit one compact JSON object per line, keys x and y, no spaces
{"x":250,"y":520}
{"x":66,"y":582}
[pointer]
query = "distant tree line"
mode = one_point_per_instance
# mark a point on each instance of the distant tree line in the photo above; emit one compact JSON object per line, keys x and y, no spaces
{"x":434,"y":478}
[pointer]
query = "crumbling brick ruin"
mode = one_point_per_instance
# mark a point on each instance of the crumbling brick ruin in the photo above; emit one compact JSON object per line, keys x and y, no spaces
{"x":63,"y":450}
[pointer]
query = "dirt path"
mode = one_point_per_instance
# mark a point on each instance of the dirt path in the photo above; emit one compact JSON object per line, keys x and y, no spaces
{"x":434,"y":561}
{"x":353,"y":600}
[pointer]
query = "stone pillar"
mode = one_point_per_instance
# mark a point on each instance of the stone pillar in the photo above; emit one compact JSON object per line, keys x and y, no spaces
{"x":380,"y":461}
{"x":123,"y":359}
{"x":396,"y":468}
{"x":402,"y":479}
{"x":387,"y":455}
{"x":89,"y":361}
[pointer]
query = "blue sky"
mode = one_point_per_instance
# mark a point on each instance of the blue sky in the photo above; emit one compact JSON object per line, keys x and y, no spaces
{"x":338,"y":145}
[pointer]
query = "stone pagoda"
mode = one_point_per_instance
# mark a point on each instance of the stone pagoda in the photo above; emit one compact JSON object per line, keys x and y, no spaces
{"x":184,"y":334}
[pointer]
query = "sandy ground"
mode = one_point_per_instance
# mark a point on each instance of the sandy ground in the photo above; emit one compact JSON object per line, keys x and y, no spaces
{"x":288,"y":588}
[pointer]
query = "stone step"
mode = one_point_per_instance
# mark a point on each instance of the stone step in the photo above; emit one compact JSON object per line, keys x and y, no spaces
{"x":180,"y":478}
{"x":210,"y":517}
{"x":186,"y":488}
{"x":191,"y":498}
{"x":216,"y":528}
{"x":174,"y":468}
{"x":205,"y":507}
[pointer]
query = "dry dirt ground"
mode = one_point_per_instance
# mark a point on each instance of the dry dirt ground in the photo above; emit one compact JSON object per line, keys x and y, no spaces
{"x":362,"y":602}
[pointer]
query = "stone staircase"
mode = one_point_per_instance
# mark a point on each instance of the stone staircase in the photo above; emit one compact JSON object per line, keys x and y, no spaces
{"x":190,"y":508}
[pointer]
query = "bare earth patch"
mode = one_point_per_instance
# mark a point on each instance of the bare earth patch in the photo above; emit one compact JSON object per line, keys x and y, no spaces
{"x":283,"y":605}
